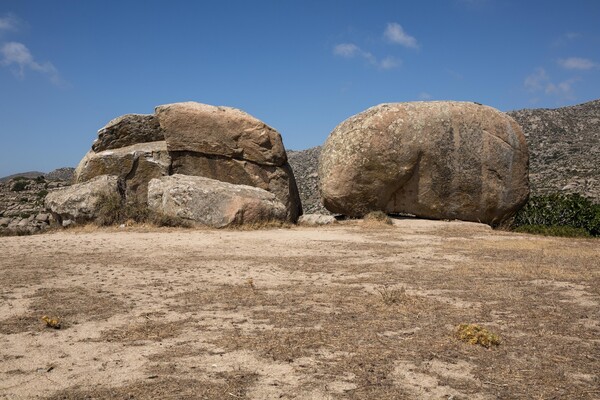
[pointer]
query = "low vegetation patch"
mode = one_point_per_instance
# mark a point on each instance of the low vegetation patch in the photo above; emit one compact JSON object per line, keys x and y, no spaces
{"x":559,"y":214}
{"x":19,"y":185}
{"x":391,"y":296}
{"x":476,"y":334}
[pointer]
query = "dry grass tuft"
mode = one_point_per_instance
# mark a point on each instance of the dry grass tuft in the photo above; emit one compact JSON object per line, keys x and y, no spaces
{"x":375,"y":219}
{"x":391,"y":296}
{"x":254,"y":226}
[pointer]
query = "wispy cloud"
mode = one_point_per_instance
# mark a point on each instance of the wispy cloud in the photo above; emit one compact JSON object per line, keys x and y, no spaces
{"x":395,"y":34}
{"x":425,"y":96}
{"x":577,"y":63}
{"x":9,"y":22}
{"x":539,"y":82}
{"x":566,"y":38}
{"x":390,"y":63}
{"x":350,"y":50}
{"x":536,"y":81}
{"x":347,"y":50}
{"x":15,"y":54}
{"x":18,"y":58}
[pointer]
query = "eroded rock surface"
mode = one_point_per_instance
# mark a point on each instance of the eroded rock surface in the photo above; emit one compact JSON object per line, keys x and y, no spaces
{"x":442,"y":160}
{"x":211,"y":202}
{"x":81,"y":202}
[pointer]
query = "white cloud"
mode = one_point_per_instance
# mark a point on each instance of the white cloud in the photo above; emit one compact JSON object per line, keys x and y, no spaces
{"x":563,"y":89}
{"x":577,"y":63}
{"x":9,"y":23}
{"x":536,"y":80}
{"x":539,"y":82}
{"x":395,"y":34}
{"x":390,"y":63}
{"x":347,"y":50}
{"x":350,"y":50}
{"x":17,"y":54}
{"x":425,"y":96}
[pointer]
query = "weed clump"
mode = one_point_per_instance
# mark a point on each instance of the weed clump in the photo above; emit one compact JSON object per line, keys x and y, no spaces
{"x":392,"y":296}
{"x":476,"y":334}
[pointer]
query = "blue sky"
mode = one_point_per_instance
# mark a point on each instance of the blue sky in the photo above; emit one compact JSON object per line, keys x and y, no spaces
{"x":67,"y":67}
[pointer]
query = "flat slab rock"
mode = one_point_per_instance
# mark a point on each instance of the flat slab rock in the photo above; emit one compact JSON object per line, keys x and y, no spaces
{"x":222,"y":131}
{"x":211,"y":202}
{"x":127,"y":130}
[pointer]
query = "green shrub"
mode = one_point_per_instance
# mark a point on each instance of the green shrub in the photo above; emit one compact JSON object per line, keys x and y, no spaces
{"x":565,"y":231}
{"x":42,"y":194}
{"x":40,"y":179}
{"x":19,"y":185}
{"x":559,"y":210}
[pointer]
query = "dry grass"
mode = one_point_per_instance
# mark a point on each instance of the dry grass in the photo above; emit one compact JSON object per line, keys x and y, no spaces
{"x":340,"y":312}
{"x":70,"y":305}
{"x":376,"y":219}
{"x":227,"y":385}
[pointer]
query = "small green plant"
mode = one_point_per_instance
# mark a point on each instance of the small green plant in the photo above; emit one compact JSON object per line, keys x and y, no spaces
{"x":40,"y":179}
{"x":377,"y":217}
{"x":391,"y":296}
{"x":19,"y":185}
{"x":476,"y":334}
{"x":42,"y":194}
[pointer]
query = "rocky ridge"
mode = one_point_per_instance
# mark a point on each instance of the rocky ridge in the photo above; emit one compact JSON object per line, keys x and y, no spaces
{"x":564,"y":147}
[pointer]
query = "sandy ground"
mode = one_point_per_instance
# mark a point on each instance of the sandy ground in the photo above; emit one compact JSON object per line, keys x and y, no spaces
{"x":343,"y":312}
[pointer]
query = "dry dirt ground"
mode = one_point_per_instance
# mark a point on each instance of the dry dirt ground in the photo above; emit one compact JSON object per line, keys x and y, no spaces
{"x":342,"y":312}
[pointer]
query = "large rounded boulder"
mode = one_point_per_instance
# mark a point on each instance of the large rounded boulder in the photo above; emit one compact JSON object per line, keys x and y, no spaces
{"x":440,"y":160}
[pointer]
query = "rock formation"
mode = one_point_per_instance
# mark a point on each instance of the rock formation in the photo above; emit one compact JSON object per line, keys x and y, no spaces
{"x":194,"y":139}
{"x":81,"y":202}
{"x":211,"y":202}
{"x":442,"y":160}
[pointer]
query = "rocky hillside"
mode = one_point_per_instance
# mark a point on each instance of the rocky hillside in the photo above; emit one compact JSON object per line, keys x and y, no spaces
{"x":22,"y":204}
{"x":564,"y":145}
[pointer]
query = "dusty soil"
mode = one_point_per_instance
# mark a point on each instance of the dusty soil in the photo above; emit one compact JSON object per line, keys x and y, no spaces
{"x":343,"y":312}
